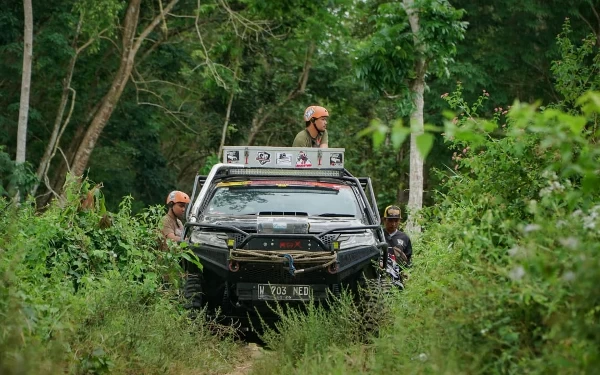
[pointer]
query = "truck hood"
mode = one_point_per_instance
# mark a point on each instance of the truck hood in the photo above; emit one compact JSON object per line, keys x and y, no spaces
{"x":253,"y":224}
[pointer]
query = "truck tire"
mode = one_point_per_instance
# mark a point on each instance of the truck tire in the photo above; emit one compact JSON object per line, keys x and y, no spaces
{"x":192,"y":292}
{"x":373,"y":305}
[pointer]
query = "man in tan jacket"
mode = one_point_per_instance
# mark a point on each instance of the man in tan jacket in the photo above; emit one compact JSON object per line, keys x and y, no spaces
{"x":172,"y":225}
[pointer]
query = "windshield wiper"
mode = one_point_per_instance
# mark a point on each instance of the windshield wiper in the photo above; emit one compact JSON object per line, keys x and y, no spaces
{"x":330,"y":214}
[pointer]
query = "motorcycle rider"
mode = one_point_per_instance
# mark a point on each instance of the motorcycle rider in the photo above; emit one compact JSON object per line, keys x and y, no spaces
{"x":172,"y":226}
{"x":397,"y":240}
{"x":315,"y":133}
{"x":399,"y":252}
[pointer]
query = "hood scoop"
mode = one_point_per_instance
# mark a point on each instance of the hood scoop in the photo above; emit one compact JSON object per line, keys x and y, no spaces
{"x":281,"y":222}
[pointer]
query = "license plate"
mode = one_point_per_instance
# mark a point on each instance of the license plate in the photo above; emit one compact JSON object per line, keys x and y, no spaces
{"x":284,"y":292}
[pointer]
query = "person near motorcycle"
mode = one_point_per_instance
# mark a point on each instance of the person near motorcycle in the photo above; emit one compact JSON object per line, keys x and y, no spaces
{"x":172,"y":225}
{"x":315,"y":133}
{"x":397,"y":240}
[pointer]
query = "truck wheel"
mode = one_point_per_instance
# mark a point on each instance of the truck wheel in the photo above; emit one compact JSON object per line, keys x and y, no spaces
{"x":192,"y":292}
{"x":373,"y":305}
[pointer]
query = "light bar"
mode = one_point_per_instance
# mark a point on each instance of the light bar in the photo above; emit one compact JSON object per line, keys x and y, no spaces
{"x":285,"y":172}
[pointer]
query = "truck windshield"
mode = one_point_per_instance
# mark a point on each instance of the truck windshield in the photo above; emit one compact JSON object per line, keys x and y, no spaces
{"x":312,"y":200}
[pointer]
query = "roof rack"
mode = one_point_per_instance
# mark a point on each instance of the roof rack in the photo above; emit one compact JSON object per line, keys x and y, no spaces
{"x":284,"y":157}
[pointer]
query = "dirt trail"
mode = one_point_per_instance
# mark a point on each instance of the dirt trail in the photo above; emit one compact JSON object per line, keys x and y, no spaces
{"x":252,"y":353}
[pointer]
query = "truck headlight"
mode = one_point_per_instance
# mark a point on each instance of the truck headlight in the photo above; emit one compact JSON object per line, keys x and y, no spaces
{"x":348,"y":241}
{"x":209,"y":238}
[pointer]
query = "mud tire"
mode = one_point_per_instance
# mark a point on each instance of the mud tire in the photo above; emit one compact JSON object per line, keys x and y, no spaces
{"x":374,"y":309}
{"x":193,"y":292}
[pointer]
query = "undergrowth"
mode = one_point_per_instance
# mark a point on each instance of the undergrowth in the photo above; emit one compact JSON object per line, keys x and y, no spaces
{"x":86,"y":291}
{"x":506,"y":271}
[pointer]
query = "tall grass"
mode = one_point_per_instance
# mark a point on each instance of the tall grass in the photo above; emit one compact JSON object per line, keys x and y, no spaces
{"x":505,"y":273}
{"x":84,"y":291}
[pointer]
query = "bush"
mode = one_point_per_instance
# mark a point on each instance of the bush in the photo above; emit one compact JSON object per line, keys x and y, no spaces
{"x":505,"y":274}
{"x":83,"y":291}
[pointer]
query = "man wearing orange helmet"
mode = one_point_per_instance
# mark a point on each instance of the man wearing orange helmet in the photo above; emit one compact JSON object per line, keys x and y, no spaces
{"x":172,"y":225}
{"x":315,"y":134}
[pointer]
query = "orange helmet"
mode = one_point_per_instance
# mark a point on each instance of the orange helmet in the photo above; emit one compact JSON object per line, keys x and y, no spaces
{"x":314,"y":111}
{"x":177,"y":196}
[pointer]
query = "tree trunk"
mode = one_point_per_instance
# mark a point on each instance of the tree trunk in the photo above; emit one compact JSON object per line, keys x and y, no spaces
{"x":82,"y":156}
{"x":415,"y":196}
{"x":60,"y":126}
{"x":25,"y":82}
{"x":228,"y":113}
{"x":130,"y":47}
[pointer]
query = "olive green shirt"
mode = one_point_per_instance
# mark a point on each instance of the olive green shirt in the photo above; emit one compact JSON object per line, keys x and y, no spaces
{"x":303,"y":139}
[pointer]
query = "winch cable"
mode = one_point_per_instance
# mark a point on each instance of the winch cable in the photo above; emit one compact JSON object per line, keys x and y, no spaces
{"x":290,"y":260}
{"x":325,"y":258}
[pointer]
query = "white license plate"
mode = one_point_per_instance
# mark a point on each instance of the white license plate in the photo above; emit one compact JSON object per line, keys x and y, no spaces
{"x":283,"y":292}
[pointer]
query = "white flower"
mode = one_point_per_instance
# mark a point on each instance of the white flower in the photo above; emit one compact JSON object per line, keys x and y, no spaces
{"x":513,"y":251}
{"x":569,"y":242}
{"x":531,"y":228}
{"x":517,"y":273}
{"x":568,"y":276}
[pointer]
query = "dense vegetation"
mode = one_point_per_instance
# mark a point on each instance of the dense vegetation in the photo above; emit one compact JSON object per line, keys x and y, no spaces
{"x":505,"y":272}
{"x":250,"y":68}
{"x":84,"y":291}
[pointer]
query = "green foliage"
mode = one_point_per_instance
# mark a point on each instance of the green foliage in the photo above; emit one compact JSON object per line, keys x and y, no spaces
{"x":305,"y":338}
{"x":87,"y":291}
{"x":578,"y":69}
{"x":505,"y":274}
{"x":97,"y":18}
{"x":210,"y":162}
{"x":386,"y":60}
{"x":14,"y":177}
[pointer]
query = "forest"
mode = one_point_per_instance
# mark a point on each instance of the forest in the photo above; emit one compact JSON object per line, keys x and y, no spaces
{"x":107,"y":105}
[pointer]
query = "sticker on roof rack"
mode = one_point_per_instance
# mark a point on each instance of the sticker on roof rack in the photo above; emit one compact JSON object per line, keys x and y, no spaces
{"x":233,"y":156}
{"x":284,"y":158}
{"x":302,"y":160}
{"x":336,"y":159}
{"x":263,"y":157}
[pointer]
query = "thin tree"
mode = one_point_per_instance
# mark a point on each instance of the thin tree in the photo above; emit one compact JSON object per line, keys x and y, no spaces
{"x":25,"y":83}
{"x":130,"y":45}
{"x":417,"y":88}
{"x":395,"y":62}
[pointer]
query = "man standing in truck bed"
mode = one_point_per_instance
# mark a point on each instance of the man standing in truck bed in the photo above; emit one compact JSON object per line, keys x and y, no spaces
{"x":315,"y":133}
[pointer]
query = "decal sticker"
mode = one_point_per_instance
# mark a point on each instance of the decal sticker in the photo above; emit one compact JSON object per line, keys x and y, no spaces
{"x":263,"y":157}
{"x":336,"y":159}
{"x":308,"y":114}
{"x":277,"y":225}
{"x":233,"y":157}
{"x":302,"y":160}
{"x":284,"y":158}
